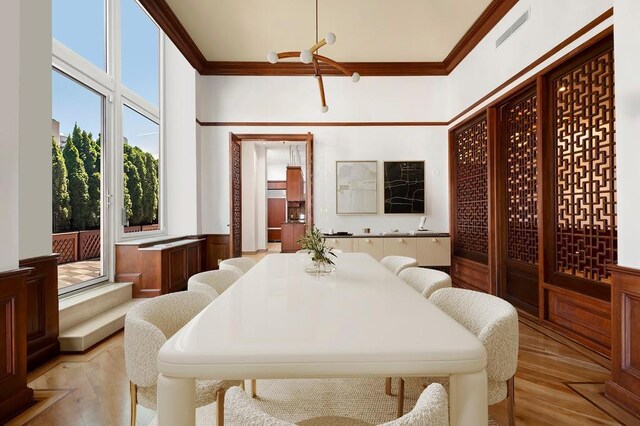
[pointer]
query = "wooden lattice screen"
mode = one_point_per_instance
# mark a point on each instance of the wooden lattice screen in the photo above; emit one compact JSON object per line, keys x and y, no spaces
{"x":470,"y":168}
{"x":582,"y":101}
{"x":520,"y":129}
{"x":236,"y":199}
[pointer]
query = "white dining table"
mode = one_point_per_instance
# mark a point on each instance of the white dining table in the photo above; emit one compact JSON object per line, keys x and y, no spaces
{"x":278,"y":322}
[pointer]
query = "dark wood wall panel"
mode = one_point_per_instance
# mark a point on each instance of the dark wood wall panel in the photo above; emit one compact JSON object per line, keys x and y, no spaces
{"x":533,"y":196}
{"x":585,"y":319}
{"x":217,"y":250}
{"x":471,"y":212}
{"x":578,"y":199}
{"x":42,"y":309}
{"x":14,"y":393}
{"x":517,"y":206}
{"x":582,"y":102}
{"x":470,"y":275}
{"x":624,"y":387}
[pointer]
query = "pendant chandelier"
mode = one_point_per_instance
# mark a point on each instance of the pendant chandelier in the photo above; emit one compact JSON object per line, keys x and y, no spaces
{"x":311,"y":56}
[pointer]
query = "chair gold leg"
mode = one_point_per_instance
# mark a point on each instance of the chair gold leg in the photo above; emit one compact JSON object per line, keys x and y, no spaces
{"x":254,"y":390}
{"x":511,"y":400}
{"x":220,"y":406}
{"x":400,"y":411}
{"x":387,"y":386}
{"x":133,"y":395}
{"x":242,"y":385}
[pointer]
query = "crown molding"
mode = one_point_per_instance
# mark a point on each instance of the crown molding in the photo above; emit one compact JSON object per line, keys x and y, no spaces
{"x":299,"y":69}
{"x":166,"y":19}
{"x":496,"y":10}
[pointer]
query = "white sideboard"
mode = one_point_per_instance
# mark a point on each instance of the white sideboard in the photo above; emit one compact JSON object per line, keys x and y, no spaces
{"x":428,"y":250}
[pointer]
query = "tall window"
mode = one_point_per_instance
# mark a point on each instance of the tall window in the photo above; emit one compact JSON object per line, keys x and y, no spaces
{"x":106,"y":144}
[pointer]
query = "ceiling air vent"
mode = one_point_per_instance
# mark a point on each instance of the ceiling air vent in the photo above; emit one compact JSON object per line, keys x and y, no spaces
{"x":512,"y":29}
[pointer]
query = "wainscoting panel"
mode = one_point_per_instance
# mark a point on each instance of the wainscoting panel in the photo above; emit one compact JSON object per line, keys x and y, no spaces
{"x":217,"y":249}
{"x":42,"y":309}
{"x":14,"y":393}
{"x":468,"y":274}
{"x":586,"y":319}
{"x":624,"y":387}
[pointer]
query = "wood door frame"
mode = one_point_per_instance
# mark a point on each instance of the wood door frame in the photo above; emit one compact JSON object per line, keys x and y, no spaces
{"x":235,"y":180}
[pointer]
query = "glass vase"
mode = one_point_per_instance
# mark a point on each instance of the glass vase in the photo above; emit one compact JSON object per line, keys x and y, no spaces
{"x":319,"y":269}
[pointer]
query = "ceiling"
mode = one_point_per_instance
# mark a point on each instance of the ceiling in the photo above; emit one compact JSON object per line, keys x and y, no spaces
{"x":366,"y":30}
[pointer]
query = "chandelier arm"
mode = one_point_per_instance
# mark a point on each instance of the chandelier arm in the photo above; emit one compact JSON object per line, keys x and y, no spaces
{"x":316,"y":67}
{"x":318,"y":45}
{"x":333,"y":64}
{"x":284,"y":55}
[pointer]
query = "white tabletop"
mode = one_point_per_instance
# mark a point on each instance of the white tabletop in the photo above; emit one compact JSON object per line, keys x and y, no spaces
{"x":277,"y":322}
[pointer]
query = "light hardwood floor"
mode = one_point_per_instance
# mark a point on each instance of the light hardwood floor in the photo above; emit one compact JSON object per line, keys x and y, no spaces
{"x":557,"y":383}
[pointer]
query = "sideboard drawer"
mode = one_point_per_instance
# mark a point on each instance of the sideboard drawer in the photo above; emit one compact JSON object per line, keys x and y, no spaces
{"x":434,"y":251}
{"x":371,"y":246}
{"x":344,"y":244}
{"x":401,"y":246}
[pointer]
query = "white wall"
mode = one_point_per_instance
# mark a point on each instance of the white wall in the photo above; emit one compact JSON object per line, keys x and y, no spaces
{"x":550,"y":23}
{"x":181,"y":149}
{"x":254,"y":196}
{"x":223,"y":98}
{"x":35,"y":128}
{"x":9,"y":136}
{"x":296,"y":99}
{"x":331,"y":144}
{"x":627,"y":57}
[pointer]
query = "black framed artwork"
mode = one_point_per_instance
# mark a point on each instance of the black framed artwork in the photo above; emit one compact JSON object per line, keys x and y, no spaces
{"x":404,"y":187}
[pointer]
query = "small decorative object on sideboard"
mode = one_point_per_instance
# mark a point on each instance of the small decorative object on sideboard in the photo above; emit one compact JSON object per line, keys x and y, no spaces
{"x":320,"y":253}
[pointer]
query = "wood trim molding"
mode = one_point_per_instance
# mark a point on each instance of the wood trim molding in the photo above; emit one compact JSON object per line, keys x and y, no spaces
{"x":161,"y":12}
{"x":496,"y":10}
{"x":321,"y":123}
{"x":167,"y":20}
{"x":367,"y":69}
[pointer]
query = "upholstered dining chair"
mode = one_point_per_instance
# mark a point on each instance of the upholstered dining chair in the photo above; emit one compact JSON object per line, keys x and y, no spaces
{"x":432,"y":409}
{"x":397,"y":263}
{"x":238,"y":264}
{"x":213,"y":283}
{"x":147,"y":327}
{"x":425,"y":281}
{"x":495,"y":322}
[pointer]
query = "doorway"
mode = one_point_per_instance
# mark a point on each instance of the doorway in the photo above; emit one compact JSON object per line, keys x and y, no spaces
{"x":235,"y":167}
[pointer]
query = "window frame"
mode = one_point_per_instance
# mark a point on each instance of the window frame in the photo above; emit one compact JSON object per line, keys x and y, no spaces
{"x":109,"y":84}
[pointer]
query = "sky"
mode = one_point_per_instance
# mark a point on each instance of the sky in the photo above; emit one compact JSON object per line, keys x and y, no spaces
{"x":80,"y":25}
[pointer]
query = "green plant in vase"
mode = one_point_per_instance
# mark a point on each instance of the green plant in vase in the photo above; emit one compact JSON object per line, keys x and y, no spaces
{"x":320,"y":253}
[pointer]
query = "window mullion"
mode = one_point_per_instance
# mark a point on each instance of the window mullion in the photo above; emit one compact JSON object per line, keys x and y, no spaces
{"x":80,"y":69}
{"x":140,"y":104}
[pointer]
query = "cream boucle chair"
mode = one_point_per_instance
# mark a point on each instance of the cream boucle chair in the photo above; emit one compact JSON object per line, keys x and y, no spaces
{"x":213,"y":283}
{"x":495,"y":322}
{"x":238,"y":264}
{"x":397,"y":263}
{"x":424,"y":280}
{"x":432,"y":409}
{"x":147,"y":327}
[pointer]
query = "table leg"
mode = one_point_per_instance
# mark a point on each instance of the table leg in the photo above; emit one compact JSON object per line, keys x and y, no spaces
{"x":176,"y":401}
{"x":468,"y":399}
